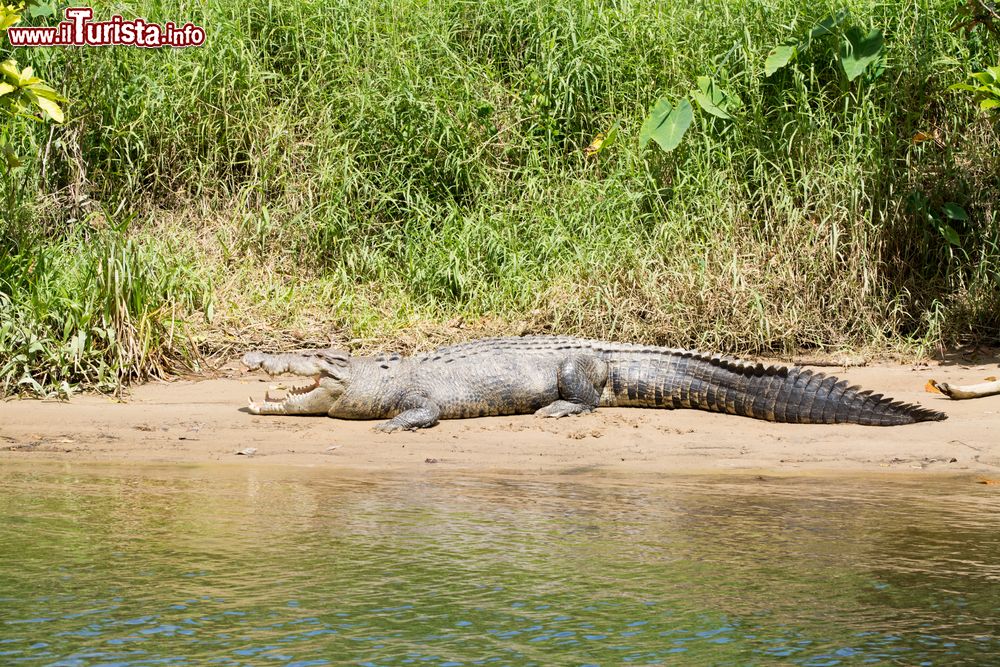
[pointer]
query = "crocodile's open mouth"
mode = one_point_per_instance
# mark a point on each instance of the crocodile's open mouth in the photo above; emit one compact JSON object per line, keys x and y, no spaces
{"x":277,"y":405}
{"x":292,"y":390}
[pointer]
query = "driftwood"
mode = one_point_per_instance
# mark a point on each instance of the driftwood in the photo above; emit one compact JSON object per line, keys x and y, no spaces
{"x":967,"y":391}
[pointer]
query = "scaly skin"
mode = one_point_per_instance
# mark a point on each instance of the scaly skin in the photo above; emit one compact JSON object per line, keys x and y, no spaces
{"x":558,"y":376}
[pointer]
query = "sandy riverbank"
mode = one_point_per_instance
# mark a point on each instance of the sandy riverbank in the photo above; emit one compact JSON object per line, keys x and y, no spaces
{"x":202,"y":421}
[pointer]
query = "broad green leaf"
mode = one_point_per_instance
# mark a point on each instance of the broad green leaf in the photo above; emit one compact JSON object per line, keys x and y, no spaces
{"x":657,"y":115}
{"x":779,"y":57}
{"x":7,"y":18}
{"x":988,"y":104}
{"x":48,"y":106}
{"x":826,"y":26}
{"x":10,"y":70}
{"x":712,"y":99}
{"x":41,"y":10}
{"x":985,"y":78}
{"x":949,"y":234}
{"x":954,"y":211}
{"x":27,"y":79}
{"x":666,"y":125}
{"x":964,"y":86}
{"x":17,"y":77}
{"x":46,"y":91}
{"x":858,"y":51}
{"x":6,"y":88}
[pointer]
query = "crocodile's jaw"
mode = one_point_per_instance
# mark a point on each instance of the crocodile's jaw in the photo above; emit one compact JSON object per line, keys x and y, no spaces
{"x":313,"y":399}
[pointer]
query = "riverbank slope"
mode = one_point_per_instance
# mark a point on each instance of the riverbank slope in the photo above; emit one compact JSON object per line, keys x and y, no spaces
{"x":202,"y":421}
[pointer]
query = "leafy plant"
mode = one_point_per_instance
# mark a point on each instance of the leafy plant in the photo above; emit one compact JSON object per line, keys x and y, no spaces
{"x":986,"y":88}
{"x":21,"y":92}
{"x":857,"y":52}
{"x":666,"y":124}
{"x":780,"y":56}
{"x":714,"y":99}
{"x":20,"y":86}
{"x":941,"y":220}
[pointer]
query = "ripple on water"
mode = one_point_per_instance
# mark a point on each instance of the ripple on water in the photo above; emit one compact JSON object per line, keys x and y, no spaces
{"x":109,"y":567}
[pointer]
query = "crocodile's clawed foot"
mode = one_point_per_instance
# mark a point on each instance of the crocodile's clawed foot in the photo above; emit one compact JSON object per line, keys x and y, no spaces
{"x":557,"y":409}
{"x":389,"y":427}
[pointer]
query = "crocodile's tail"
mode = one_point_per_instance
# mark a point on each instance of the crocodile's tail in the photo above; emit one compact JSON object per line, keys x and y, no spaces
{"x":774,"y":393}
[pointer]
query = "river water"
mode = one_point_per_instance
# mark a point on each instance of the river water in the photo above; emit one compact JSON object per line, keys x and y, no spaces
{"x":255,"y":566}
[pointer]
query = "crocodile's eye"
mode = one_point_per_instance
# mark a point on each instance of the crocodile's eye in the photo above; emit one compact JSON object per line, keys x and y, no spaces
{"x":339,"y":359}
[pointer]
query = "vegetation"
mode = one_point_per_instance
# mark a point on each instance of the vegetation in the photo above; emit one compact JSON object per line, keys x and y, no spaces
{"x":376,"y":172}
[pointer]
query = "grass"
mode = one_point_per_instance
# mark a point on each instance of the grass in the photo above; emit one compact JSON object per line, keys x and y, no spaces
{"x":97,"y":307}
{"x":402,"y":173}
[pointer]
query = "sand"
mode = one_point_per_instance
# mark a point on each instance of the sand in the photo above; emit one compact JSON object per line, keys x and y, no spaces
{"x":204,"y":421}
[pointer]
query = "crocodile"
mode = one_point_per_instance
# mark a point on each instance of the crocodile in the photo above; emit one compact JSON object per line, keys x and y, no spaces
{"x":554,"y":376}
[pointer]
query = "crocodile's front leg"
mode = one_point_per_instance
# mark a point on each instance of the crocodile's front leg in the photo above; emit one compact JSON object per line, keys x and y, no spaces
{"x":418,"y":412}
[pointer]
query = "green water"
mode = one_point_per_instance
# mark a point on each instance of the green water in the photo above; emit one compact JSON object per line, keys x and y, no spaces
{"x":165,"y":566}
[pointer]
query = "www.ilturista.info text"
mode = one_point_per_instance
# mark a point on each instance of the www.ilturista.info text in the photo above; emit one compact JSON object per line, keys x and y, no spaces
{"x":79,"y":30}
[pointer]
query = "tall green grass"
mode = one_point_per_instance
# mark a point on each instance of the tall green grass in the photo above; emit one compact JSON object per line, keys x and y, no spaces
{"x":93,"y":307}
{"x":373,"y":170}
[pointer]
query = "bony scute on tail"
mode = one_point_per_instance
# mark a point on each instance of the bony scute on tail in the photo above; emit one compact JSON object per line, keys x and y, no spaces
{"x":553,"y":376}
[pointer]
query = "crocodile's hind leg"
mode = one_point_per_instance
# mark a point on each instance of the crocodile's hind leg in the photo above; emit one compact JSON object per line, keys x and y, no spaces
{"x":581,"y":381}
{"x":419,"y":412}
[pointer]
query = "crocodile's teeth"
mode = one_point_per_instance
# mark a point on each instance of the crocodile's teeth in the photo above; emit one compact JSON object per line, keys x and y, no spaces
{"x":252,"y":406}
{"x":304,"y":389}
